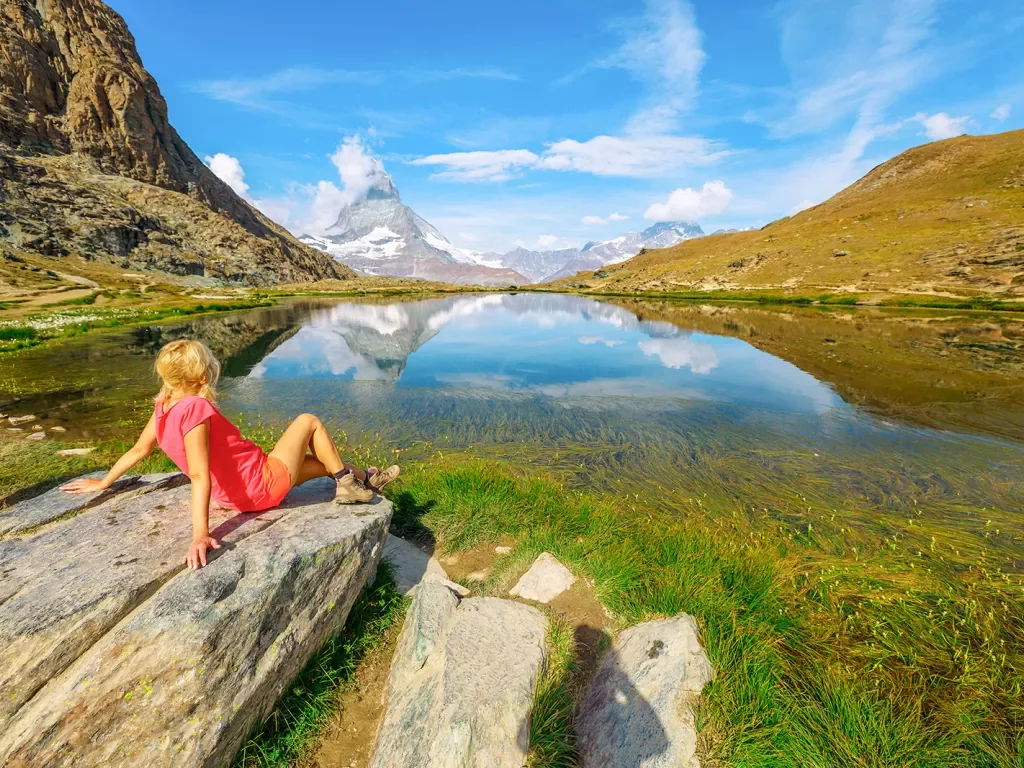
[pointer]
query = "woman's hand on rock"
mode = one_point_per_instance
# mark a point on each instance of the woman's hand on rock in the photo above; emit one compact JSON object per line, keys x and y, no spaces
{"x":85,"y":485}
{"x":196,"y":556}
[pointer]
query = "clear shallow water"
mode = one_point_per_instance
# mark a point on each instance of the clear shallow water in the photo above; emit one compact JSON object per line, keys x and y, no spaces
{"x":650,"y":395}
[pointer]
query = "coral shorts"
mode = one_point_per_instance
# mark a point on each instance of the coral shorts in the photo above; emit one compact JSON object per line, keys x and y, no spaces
{"x":277,"y":481}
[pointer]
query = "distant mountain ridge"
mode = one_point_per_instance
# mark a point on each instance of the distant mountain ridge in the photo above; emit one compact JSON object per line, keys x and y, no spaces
{"x":941,"y":219}
{"x":380,"y":235}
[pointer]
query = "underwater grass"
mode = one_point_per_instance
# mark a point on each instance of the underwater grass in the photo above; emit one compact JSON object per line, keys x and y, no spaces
{"x":293,"y":729}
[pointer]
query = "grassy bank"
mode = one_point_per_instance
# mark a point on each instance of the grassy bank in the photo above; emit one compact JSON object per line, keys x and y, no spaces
{"x":827,"y":299}
{"x":40,"y":327}
{"x":826,"y":654}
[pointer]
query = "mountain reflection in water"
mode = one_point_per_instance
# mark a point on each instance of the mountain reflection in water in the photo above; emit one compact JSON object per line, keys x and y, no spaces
{"x":557,"y":346}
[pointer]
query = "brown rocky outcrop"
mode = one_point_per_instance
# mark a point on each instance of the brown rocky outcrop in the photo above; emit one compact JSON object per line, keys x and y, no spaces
{"x":91,"y":166}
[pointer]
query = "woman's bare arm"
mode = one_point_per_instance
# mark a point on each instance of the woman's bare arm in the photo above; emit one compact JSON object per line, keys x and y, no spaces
{"x":197,"y":453}
{"x":142,"y":448}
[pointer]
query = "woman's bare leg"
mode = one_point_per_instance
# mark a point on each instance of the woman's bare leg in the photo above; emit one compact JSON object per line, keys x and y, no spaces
{"x":307,"y":433}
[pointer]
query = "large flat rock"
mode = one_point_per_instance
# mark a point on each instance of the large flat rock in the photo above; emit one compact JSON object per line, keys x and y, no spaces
{"x":461,"y":686}
{"x":639,"y":709}
{"x":115,"y":655}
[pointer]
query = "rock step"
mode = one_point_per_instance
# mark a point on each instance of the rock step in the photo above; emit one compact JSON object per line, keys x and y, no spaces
{"x":462,"y":682}
{"x":115,"y":655}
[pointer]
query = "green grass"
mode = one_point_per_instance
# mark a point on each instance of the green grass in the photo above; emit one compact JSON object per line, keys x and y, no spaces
{"x":821,"y":659}
{"x":775,"y":297}
{"x":552,"y":718}
{"x":293,"y":729}
{"x":42,"y":327}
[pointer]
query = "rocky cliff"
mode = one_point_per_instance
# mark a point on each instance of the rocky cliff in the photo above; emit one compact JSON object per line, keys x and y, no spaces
{"x":91,"y":167}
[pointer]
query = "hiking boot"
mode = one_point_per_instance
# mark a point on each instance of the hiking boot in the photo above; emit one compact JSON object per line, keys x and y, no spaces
{"x":380,"y":480}
{"x":351,"y":491}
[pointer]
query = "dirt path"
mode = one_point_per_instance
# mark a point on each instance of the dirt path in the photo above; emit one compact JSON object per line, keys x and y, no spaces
{"x":348,"y":740}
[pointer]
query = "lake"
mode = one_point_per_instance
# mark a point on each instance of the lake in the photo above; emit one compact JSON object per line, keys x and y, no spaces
{"x":870,"y":413}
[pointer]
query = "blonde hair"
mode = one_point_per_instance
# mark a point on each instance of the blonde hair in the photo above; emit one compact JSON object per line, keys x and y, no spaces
{"x":187,"y":367}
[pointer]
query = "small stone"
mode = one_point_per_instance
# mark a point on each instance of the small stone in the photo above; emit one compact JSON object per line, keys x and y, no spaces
{"x":37,"y":428}
{"x":502,"y":550}
{"x":36,"y":436}
{"x":546,"y":580}
{"x":16,"y":420}
{"x":839,"y":254}
{"x":58,"y":429}
{"x":478,"y":575}
{"x":75,"y":451}
{"x":15,"y":429}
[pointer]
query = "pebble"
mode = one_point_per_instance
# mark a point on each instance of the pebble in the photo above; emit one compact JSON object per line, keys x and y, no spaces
{"x":75,"y":451}
{"x":37,"y":428}
{"x":58,"y":429}
{"x":15,"y":420}
{"x":502,"y":550}
{"x":35,"y":436}
{"x":15,"y":429}
{"x":477,"y":576}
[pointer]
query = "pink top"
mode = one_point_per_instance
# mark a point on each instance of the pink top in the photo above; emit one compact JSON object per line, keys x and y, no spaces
{"x":236,"y":465}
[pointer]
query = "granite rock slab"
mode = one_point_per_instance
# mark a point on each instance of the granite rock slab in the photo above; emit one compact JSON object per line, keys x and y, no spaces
{"x":461,"y":686}
{"x":114,"y":654}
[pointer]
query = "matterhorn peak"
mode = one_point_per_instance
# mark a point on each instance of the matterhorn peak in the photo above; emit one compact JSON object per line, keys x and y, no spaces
{"x":383,"y":188}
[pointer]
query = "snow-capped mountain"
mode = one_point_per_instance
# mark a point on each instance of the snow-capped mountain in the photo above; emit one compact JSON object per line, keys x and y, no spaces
{"x":379,"y":235}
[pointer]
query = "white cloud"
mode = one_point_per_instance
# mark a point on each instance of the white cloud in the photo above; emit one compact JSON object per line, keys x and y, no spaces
{"x":1001,"y":112}
{"x":546,"y":241}
{"x":942,"y":126}
{"x":682,"y":353}
{"x":617,"y":217}
{"x":592,"y":220}
{"x":500,"y":165}
{"x":589,"y":340}
{"x":634,"y":156}
{"x":358,"y":170}
{"x":803,"y":205}
{"x":229,"y":170}
{"x":690,"y":204}
{"x":469,"y":238}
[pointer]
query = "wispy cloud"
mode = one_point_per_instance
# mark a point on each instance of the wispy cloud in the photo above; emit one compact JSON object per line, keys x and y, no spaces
{"x":624,"y":156}
{"x":260,"y":92}
{"x":1001,"y":112}
{"x":663,"y":49}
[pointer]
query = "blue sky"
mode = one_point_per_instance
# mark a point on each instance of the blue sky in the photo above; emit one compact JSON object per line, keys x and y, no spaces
{"x":551,"y":123}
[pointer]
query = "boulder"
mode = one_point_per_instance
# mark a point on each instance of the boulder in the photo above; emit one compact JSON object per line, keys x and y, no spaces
{"x":116,"y":655}
{"x":639,"y":709}
{"x":410,"y":564}
{"x":462,"y":683}
{"x":546,"y":580}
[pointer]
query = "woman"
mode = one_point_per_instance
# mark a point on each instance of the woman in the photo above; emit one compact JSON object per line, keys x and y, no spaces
{"x":235,"y":472}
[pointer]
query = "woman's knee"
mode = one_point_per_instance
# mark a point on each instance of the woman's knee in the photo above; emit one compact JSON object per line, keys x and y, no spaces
{"x":312,"y":421}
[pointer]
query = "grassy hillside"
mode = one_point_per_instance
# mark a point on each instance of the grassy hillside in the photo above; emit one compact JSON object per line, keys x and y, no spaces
{"x":944,"y":218}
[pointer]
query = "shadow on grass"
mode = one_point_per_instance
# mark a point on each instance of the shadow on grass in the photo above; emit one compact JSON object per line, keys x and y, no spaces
{"x":293,"y":729}
{"x":407,"y":520}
